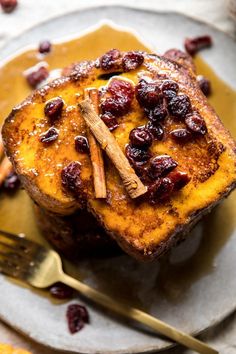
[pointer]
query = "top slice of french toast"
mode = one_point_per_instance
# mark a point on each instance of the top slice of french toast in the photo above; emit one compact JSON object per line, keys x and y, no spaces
{"x":163,"y":123}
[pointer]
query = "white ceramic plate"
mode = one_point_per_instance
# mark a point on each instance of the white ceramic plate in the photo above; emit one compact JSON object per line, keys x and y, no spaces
{"x":195,"y":287}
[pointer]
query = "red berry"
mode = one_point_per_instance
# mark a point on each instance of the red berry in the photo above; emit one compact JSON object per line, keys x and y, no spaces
{"x":11,"y":182}
{"x":156,"y":130}
{"x":169,"y":88}
{"x":38,"y":75}
{"x":141,"y":138}
{"x":70,"y":178}
{"x":110,"y":121}
{"x":204,"y":84}
{"x":120,"y":88}
{"x":81,"y":144}
{"x":61,"y":291}
{"x":181,"y":135}
{"x":179,"y":178}
{"x":111,"y":60}
{"x":8,"y":5}
{"x":196,"y":123}
{"x":161,"y":165}
{"x":160,"y":190}
{"x":116,"y":106}
{"x":193,"y":45}
{"x":49,"y":136}
{"x":137,"y":156}
{"x":132,"y":60}
{"x":77,"y":316}
{"x":179,"y":106}
{"x":148,"y":94}
{"x":156,"y":114}
{"x":53,"y":108}
{"x":45,"y":47}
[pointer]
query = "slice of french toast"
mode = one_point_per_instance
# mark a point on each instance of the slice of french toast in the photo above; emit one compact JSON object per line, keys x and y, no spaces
{"x":76,"y":236}
{"x":163,"y":123}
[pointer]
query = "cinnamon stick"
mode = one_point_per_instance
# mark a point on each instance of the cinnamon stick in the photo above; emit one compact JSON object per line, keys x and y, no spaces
{"x":131,"y":181}
{"x":5,"y":169}
{"x":95,"y":151}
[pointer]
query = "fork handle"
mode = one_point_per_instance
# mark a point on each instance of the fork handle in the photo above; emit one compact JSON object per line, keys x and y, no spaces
{"x":138,"y":315}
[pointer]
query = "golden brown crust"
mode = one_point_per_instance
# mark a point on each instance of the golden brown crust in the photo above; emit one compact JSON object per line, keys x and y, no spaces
{"x":144,"y":231}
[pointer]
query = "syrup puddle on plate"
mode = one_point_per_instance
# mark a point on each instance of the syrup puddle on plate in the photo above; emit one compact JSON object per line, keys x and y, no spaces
{"x":122,"y":276}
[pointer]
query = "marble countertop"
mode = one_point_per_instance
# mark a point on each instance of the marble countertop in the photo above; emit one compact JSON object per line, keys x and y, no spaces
{"x":30,"y":13}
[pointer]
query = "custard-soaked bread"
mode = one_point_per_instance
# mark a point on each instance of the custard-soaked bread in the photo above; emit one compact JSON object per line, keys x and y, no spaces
{"x":163,"y":123}
{"x":77,"y":235}
{"x":8,"y":349}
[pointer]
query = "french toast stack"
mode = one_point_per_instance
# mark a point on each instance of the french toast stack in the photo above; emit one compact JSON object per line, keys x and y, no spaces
{"x":159,"y":133}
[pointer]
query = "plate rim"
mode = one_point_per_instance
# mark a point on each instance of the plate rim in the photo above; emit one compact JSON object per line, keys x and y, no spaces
{"x":5,"y":59}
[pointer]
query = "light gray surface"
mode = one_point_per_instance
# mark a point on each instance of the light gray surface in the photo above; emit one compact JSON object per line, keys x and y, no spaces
{"x":31,"y":12}
{"x":194,"y":310}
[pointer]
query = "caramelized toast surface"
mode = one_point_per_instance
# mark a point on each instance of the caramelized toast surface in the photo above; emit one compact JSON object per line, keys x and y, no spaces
{"x":142,"y":228}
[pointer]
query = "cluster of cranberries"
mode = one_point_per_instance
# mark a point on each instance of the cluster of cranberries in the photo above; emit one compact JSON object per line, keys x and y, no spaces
{"x":53,"y":111}
{"x":159,"y":100}
{"x":77,"y":315}
{"x":113,"y":60}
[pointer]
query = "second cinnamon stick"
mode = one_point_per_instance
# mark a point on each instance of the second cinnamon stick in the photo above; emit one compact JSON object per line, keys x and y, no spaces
{"x":95,"y":151}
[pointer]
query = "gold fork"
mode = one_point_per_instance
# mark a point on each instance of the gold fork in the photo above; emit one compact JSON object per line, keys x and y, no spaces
{"x":41,"y":267}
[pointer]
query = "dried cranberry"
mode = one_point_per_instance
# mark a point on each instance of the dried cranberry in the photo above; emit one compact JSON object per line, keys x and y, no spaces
{"x":61,"y":291}
{"x":156,"y":130}
{"x":179,"y":106}
{"x":45,"y":47}
{"x":142,"y":172}
{"x":160,"y":190}
{"x":204,"y":85}
{"x":81,"y":144}
{"x":151,"y":191}
{"x":135,"y":155}
{"x":8,"y":5}
{"x":193,"y":45}
{"x":70,"y":178}
{"x":110,"y":60}
{"x":110,"y":121}
{"x":132,"y":60}
{"x":11,"y":182}
{"x":165,"y":189}
{"x":116,"y":106}
{"x":148,"y":94}
{"x":156,"y":114}
{"x":119,"y":88}
{"x":53,"y":108}
{"x":169,"y":88}
{"x":161,"y":165}
{"x":196,"y":123}
{"x":49,"y":136}
{"x":77,"y":316}
{"x":181,"y":135}
{"x":180,"y":57}
{"x":179,"y":178}
{"x":141,"y":138}
{"x":37,"y":76}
